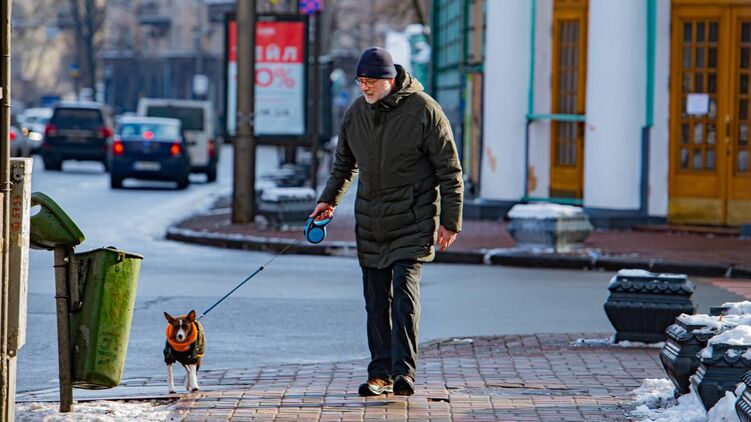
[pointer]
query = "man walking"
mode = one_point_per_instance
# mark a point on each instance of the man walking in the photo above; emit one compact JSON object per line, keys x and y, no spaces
{"x":409,"y":196}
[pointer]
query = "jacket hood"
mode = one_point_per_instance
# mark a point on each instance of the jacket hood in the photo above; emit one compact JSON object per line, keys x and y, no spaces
{"x":406,"y":85}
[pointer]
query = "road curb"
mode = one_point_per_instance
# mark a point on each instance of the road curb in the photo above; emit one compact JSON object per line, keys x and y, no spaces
{"x":479,"y":257}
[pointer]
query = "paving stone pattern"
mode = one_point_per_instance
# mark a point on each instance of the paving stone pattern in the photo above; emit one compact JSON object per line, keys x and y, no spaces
{"x":507,"y":378}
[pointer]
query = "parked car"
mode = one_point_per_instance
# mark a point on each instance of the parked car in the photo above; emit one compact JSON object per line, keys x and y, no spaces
{"x":77,"y":131}
{"x":197,"y":119}
{"x":149,"y":148}
{"x":19,"y":143}
{"x":33,"y":121}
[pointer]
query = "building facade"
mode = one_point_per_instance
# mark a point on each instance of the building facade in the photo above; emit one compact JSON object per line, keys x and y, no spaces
{"x":457,"y":74}
{"x":158,"y":48}
{"x":636,"y":110}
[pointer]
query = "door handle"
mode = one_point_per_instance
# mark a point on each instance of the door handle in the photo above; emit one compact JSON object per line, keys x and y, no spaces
{"x":727,"y":129}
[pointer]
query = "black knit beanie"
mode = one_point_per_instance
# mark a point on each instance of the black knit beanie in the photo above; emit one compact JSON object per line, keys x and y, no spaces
{"x":376,"y":63}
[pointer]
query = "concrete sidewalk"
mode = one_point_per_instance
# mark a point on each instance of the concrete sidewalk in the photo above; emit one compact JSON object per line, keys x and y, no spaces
{"x":514,"y":378}
{"x":699,"y":252}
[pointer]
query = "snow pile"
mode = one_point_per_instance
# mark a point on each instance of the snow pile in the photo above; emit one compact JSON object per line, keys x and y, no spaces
{"x":698,"y":319}
{"x":712,"y":324}
{"x":543,"y":210}
{"x":658,"y":392}
{"x":724,"y":410}
{"x":635,"y":272}
{"x":654,"y":392}
{"x":627,"y":343}
{"x":610,"y":342}
{"x":95,"y":411}
{"x":737,"y":308}
{"x":740,"y":319}
{"x":738,"y":336}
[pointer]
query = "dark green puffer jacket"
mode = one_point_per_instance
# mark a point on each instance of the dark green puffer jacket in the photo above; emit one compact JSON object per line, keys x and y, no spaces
{"x":410,"y":177}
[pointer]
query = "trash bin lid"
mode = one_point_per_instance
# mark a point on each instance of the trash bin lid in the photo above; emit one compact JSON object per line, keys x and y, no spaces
{"x":51,"y":227}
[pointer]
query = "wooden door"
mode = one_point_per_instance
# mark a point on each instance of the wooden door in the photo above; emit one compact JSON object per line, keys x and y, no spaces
{"x":569,"y":81}
{"x":710,"y":173}
{"x":738,"y":150}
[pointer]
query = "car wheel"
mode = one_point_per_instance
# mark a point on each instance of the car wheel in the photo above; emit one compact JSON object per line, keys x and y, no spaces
{"x":183,"y":183}
{"x":211,"y":175}
{"x":52,"y":165}
{"x":105,"y":163}
{"x":116,"y":182}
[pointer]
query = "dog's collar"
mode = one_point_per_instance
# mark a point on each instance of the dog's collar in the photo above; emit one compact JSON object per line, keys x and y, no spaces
{"x":181,"y":346}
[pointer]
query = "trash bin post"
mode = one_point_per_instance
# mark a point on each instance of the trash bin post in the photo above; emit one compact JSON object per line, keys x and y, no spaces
{"x":63,"y":257}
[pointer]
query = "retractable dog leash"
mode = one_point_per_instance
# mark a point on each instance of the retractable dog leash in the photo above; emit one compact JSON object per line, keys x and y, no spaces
{"x":314,"y":232}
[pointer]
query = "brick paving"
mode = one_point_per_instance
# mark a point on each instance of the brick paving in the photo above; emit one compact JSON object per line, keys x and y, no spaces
{"x":508,"y":378}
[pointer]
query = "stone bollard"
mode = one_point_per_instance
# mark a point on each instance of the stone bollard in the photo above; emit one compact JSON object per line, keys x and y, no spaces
{"x":642,"y":305}
{"x":562,"y":228}
{"x":722,"y":364}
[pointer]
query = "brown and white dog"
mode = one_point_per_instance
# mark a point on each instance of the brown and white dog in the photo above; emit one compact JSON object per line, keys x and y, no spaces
{"x":185,"y":344}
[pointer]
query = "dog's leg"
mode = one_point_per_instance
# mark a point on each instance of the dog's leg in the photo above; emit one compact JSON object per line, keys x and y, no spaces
{"x":170,"y":380}
{"x":192,"y":378}
{"x":187,"y":377}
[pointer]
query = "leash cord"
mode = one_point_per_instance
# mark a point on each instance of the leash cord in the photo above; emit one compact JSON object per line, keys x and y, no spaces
{"x":250,"y":276}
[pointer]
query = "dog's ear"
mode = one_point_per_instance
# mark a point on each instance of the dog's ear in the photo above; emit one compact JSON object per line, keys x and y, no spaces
{"x":192,"y":315}
{"x":169,"y":318}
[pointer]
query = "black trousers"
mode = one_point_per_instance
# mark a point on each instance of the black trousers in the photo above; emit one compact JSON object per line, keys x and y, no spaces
{"x":392,"y":300}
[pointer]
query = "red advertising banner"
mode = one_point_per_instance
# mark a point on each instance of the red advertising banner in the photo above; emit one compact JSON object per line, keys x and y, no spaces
{"x":280,"y":77}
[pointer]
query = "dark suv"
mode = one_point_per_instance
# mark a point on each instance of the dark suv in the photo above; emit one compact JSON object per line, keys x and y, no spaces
{"x":77,"y":131}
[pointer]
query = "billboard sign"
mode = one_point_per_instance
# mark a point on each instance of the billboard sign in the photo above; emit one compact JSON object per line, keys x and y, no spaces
{"x":280,"y":80}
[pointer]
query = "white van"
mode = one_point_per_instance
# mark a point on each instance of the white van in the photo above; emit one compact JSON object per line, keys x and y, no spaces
{"x":197,"y":119}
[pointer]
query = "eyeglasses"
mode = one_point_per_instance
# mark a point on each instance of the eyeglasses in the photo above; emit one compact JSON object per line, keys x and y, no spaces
{"x":366,"y":81}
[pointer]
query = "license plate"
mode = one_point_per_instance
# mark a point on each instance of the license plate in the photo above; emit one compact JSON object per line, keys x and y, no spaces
{"x":78,"y":139}
{"x":147,"y":166}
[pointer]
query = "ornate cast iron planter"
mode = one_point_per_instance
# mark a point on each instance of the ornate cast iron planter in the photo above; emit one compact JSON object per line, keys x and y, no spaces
{"x":743,"y":403}
{"x":562,"y":228}
{"x":719,"y":371}
{"x":643,"y":304}
{"x":685,"y":339}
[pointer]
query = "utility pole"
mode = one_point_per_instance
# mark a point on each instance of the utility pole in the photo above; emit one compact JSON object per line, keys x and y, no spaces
{"x":315,"y":115}
{"x":7,"y":362}
{"x":243,"y":192}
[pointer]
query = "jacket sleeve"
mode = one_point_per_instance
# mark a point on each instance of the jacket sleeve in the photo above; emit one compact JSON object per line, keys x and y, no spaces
{"x":342,"y":172}
{"x":441,"y":150}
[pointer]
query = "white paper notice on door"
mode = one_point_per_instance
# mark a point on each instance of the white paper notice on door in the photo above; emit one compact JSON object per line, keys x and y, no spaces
{"x":697,"y":103}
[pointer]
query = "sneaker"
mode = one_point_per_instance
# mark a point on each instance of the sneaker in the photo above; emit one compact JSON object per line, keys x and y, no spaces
{"x":375,"y":387}
{"x":404,"y":385}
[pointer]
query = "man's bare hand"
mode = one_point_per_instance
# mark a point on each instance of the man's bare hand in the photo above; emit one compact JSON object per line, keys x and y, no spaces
{"x":445,"y":238}
{"x":323,"y":211}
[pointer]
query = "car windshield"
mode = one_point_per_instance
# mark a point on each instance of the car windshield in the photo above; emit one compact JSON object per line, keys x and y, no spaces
{"x":84,"y":118}
{"x":191,"y":117}
{"x":155,"y":131}
{"x":36,"y":119}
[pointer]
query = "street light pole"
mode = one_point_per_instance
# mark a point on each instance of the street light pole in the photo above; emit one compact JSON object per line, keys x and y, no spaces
{"x":7,"y":361}
{"x":243,"y":192}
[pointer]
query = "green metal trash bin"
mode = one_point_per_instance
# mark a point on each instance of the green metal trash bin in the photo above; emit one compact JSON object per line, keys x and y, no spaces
{"x":108,"y":279}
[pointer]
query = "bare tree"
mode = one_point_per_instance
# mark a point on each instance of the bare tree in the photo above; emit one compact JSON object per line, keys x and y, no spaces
{"x":88,"y":17}
{"x":36,"y":49}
